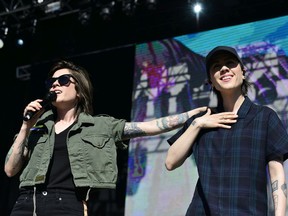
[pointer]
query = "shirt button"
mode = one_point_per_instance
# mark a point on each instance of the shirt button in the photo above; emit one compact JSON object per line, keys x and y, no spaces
{"x":44,"y":193}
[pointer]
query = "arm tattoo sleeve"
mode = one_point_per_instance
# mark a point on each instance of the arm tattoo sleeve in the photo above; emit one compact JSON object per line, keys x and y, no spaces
{"x":9,"y":154}
{"x":171,"y":122}
{"x":19,"y":156}
{"x":164,"y":124}
{"x":131,"y":130}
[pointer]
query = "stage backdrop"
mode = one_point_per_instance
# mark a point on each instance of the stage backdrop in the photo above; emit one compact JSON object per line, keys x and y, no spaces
{"x":170,"y":78}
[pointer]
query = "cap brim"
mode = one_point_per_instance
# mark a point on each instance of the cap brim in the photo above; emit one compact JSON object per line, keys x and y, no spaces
{"x":220,"y":49}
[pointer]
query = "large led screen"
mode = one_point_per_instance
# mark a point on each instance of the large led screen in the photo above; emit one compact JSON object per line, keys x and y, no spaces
{"x":170,"y":78}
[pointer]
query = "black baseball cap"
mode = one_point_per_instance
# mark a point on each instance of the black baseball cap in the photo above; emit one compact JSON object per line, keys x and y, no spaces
{"x":219,"y":49}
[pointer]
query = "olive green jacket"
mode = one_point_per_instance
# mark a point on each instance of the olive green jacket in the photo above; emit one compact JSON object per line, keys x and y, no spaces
{"x":91,"y":144}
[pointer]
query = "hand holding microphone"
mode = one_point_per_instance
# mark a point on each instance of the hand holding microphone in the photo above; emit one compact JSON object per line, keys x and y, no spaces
{"x":50,"y":97}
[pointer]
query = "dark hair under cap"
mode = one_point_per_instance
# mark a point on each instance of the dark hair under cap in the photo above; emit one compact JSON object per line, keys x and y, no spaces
{"x":227,"y":49}
{"x":219,"y":49}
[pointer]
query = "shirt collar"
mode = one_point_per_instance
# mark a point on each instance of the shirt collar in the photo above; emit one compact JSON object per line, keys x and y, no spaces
{"x":244,"y":108}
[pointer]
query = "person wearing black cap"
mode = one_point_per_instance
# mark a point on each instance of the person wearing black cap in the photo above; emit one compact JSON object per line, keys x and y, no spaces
{"x":233,"y":145}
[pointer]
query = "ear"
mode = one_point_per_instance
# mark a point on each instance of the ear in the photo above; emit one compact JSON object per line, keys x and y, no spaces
{"x":208,"y":82}
{"x":244,"y":71}
{"x":211,"y":85}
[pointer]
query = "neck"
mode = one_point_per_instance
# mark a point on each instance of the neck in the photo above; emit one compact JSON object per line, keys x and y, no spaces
{"x":232,"y":103}
{"x":66,"y":116}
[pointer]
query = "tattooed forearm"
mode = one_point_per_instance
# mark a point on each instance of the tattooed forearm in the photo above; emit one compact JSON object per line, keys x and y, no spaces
{"x":9,"y":154}
{"x":171,"y":122}
{"x":157,"y":126}
{"x":19,"y":156}
{"x":16,"y":156}
{"x":131,"y":130}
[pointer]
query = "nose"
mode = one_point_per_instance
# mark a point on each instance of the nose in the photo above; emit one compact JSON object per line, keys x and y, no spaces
{"x":55,"y":83}
{"x":224,"y":69}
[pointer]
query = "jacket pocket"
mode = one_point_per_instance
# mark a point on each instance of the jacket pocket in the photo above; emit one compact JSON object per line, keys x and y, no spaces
{"x":96,"y":141}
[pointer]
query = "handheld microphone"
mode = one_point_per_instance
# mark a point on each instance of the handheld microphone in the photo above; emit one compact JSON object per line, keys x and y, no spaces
{"x":51,"y":96}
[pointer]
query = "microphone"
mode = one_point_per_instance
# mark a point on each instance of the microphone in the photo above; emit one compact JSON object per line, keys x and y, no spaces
{"x":51,"y":96}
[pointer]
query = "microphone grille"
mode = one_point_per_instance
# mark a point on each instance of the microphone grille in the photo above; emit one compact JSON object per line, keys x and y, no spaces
{"x":51,"y":96}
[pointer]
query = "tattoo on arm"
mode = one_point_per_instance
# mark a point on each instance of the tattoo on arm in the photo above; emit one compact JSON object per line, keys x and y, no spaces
{"x":170,"y":122}
{"x":275,"y":196}
{"x":193,"y":122}
{"x":131,"y":130}
{"x":284,"y":189}
{"x":9,"y":154}
{"x":19,"y":156}
{"x":274,"y":186}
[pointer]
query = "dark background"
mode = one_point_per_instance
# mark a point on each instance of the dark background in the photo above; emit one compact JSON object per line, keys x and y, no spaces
{"x":106,"y":49}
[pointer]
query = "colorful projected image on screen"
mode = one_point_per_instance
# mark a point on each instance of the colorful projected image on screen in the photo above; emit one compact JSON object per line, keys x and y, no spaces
{"x":170,"y":78}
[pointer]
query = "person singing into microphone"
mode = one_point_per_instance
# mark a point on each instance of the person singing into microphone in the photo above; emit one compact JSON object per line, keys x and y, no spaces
{"x":64,"y":153}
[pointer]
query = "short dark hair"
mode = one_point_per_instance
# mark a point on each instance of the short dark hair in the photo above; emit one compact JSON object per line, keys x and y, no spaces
{"x":83,"y":85}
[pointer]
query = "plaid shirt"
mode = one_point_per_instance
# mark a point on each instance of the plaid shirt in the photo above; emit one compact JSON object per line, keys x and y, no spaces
{"x":232,"y":162}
